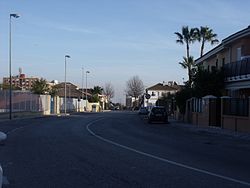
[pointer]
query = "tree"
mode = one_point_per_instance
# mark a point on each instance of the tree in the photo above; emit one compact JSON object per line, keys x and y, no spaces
{"x":182,"y":96}
{"x":40,"y":87}
{"x":94,"y":98}
{"x":204,"y":83}
{"x":97,"y":90}
{"x":134,"y":87}
{"x":208,"y":82}
{"x":187,"y":37}
{"x":53,"y":91}
{"x":205,"y":34}
{"x":188,"y":63}
{"x":109,"y":91}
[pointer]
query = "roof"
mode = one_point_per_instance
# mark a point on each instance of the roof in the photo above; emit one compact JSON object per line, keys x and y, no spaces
{"x":237,"y":35}
{"x":71,"y":89}
{"x":161,"y":87}
{"x":240,"y":34}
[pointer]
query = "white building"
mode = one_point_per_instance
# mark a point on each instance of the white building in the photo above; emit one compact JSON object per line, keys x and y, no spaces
{"x":159,"y":90}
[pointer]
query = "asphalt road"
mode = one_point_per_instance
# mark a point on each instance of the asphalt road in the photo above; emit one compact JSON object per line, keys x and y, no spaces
{"x":119,"y":150}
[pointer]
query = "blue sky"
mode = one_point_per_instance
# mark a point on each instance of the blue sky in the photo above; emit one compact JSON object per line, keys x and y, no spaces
{"x":113,"y":39}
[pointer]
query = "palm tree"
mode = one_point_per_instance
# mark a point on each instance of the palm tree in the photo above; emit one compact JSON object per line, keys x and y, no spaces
{"x":186,"y":37}
{"x":40,"y":87}
{"x":205,"y":34}
{"x":97,"y":90}
{"x":188,"y":63}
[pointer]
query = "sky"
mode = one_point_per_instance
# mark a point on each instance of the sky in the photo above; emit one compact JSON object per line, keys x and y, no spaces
{"x":113,"y":39}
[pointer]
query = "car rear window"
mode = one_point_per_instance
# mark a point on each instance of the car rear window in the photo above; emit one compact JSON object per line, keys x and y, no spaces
{"x":158,"y":110}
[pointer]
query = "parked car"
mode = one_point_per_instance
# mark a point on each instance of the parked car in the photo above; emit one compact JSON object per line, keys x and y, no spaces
{"x":158,"y":114}
{"x":143,"y":111}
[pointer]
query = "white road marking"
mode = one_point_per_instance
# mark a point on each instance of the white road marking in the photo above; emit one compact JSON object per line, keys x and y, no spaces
{"x":162,"y":159}
{"x":16,"y":129}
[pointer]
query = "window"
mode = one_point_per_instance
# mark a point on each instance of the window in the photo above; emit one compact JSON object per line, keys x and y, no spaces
{"x":223,"y":62}
{"x":238,"y":54}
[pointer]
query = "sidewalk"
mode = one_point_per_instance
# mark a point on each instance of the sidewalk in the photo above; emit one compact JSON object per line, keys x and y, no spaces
{"x":19,"y":115}
{"x":210,"y":130}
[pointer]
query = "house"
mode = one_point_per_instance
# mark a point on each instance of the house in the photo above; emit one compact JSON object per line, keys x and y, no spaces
{"x":233,"y":110}
{"x":76,"y":98}
{"x":159,"y":90}
{"x":233,"y":54}
{"x":72,"y":91}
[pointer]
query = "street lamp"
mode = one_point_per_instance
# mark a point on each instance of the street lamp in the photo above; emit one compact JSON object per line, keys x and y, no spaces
{"x":87,"y":72}
{"x":10,"y":87}
{"x":82,"y":80}
{"x":65,"y":85}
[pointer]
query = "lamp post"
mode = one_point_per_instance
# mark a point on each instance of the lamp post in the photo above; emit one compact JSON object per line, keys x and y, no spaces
{"x":87,"y":72}
{"x":65,"y":85}
{"x":10,"y":87}
{"x":82,"y":80}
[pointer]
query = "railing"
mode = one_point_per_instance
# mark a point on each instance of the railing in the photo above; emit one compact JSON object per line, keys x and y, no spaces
{"x":238,"y":69}
{"x":21,"y":101}
{"x":235,"y":107}
{"x":196,"y":105}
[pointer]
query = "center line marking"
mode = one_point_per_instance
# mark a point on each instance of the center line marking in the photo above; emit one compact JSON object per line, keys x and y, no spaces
{"x":162,"y":159}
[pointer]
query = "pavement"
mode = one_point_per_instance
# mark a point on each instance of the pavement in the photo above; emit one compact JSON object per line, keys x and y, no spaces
{"x":19,"y":115}
{"x":211,"y":130}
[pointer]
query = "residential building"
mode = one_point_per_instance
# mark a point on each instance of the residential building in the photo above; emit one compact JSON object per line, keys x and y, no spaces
{"x":20,"y":81}
{"x":159,"y":90}
{"x":72,"y":91}
{"x":233,"y":54}
{"x":233,"y":110}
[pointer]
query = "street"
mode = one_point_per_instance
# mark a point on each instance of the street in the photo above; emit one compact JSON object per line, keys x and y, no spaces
{"x":119,"y":149}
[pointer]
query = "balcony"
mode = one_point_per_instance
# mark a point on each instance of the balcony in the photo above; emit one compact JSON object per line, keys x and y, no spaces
{"x":239,"y":70}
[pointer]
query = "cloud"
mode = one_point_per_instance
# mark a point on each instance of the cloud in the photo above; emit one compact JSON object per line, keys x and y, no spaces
{"x":63,"y":27}
{"x":71,"y":28}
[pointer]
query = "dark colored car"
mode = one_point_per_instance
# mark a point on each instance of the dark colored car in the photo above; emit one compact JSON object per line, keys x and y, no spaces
{"x":143,"y":111}
{"x":158,"y":114}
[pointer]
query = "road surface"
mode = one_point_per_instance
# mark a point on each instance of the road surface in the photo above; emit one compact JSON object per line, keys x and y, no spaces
{"x":119,"y":149}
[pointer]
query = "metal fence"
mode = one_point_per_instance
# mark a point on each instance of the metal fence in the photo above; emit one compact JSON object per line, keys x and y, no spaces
{"x":21,"y":101}
{"x":238,"y":68}
{"x":196,"y":105}
{"x":236,"y":107}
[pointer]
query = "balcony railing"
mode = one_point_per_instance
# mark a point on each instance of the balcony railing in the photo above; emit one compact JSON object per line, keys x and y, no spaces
{"x":238,"y":70}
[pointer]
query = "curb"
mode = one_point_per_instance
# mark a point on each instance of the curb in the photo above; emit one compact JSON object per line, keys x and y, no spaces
{"x":212,"y":130}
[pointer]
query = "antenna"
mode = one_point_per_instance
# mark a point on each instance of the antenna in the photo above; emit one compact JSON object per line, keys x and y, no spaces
{"x":20,"y":71}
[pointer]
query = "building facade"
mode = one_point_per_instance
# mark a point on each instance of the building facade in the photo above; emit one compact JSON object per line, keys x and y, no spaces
{"x":20,"y":81}
{"x":233,"y":54}
{"x":158,"y":91}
